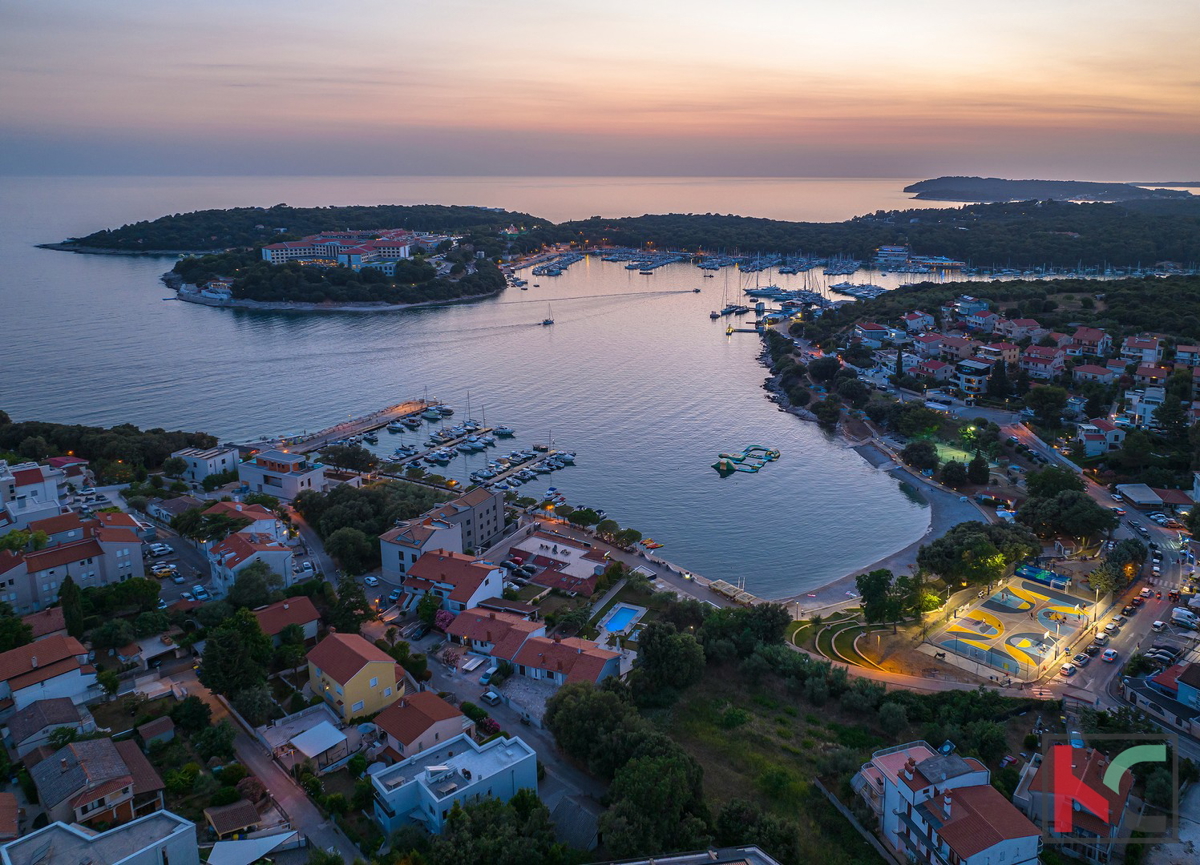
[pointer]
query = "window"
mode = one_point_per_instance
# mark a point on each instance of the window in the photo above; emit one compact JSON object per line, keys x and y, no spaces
{"x":374,"y":681}
{"x":357,"y":707}
{"x":338,"y":688}
{"x":387,"y":692}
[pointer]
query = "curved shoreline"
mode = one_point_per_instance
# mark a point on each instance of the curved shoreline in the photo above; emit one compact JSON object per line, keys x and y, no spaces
{"x":181,"y":293}
{"x":99,"y":250}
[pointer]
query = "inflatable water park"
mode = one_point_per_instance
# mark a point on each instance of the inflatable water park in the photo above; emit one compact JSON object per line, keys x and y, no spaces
{"x":750,"y":460}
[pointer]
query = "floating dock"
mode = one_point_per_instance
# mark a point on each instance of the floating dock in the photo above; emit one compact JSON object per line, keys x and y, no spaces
{"x":357,"y":426}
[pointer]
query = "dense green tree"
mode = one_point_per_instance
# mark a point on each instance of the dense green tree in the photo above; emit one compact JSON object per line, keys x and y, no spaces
{"x":236,"y":655}
{"x":352,"y":607}
{"x":428,"y":607}
{"x":1048,"y":403}
{"x":216,"y":741}
{"x":977,"y":552}
{"x":1052,"y":480}
{"x":191,"y":714}
{"x":491,"y":832}
{"x":824,"y":369}
{"x":742,"y":823}
{"x":880,"y":601}
{"x":71,"y":600}
{"x":174,"y":466}
{"x":953,"y":474}
{"x":354,"y":458}
{"x":978,"y":471}
{"x":1069,"y":512}
{"x":920,"y":454}
{"x":109,"y":681}
{"x":658,"y":805}
{"x":668,"y":659}
{"x":13,"y":631}
{"x":150,"y":623}
{"x":998,"y":386}
{"x":255,"y":704}
{"x":113,"y":634}
{"x":253,"y":585}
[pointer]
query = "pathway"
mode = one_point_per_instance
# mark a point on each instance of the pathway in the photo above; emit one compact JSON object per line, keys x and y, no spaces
{"x":300,"y":810}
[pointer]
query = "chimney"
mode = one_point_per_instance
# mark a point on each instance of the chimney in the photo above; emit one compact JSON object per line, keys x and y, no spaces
{"x":63,"y":763}
{"x":489,"y":637}
{"x":946,"y":805}
{"x":909,"y":765}
{"x":33,"y":661}
{"x":285,"y":605}
{"x":491,"y":615}
{"x":560,"y":666}
{"x":238,"y":506}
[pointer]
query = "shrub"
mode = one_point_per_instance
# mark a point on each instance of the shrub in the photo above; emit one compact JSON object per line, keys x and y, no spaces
{"x":475,"y":713}
{"x":734,"y":717}
{"x":233,"y":773}
{"x":224,"y":796}
{"x":357,"y":765}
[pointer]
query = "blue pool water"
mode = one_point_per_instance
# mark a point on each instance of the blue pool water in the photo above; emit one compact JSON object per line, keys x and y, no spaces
{"x":621,"y":618}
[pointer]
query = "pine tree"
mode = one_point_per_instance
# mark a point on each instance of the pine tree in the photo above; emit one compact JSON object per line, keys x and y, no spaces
{"x":72,"y":605}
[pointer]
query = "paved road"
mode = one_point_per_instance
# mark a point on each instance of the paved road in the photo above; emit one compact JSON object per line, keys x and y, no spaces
{"x":300,"y":810}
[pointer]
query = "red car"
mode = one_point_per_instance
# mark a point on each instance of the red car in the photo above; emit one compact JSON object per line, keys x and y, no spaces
{"x":1138,"y":601}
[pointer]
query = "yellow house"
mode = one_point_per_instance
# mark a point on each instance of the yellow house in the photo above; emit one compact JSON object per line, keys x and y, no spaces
{"x":354,"y":676}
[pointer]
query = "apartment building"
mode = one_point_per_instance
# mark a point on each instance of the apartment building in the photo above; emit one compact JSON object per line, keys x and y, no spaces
{"x":161,"y":838}
{"x":461,"y":581}
{"x":401,"y":546}
{"x":282,"y":474}
{"x":242,"y":549}
{"x":423,"y":789}
{"x":939,"y":808}
{"x":203,"y":462}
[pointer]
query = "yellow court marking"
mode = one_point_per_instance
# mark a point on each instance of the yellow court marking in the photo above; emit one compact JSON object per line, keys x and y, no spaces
{"x":1020,"y":656}
{"x":1066,"y":611}
{"x":959,"y":629}
{"x":978,"y":645}
{"x":987,"y":618}
{"x":1026,"y":595}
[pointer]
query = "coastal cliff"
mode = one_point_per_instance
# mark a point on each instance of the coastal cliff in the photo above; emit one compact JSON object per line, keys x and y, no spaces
{"x":996,"y":189}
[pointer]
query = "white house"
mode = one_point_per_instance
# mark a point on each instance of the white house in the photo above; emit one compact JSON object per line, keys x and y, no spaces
{"x":53,"y":667}
{"x":917,"y":321}
{"x":1142,"y":349}
{"x":242,"y":549}
{"x":561,"y":661}
{"x":401,"y":546}
{"x":262,"y":520}
{"x":460,"y":581}
{"x":280,"y":474}
{"x":417,"y":722}
{"x":203,"y":462}
{"x":1143,"y":404}
{"x":300,"y":611}
{"x":158,"y":838}
{"x":934,"y":807}
{"x":423,"y":789}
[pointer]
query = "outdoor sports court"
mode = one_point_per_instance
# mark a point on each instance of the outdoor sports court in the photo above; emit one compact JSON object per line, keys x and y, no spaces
{"x":1016,"y":629}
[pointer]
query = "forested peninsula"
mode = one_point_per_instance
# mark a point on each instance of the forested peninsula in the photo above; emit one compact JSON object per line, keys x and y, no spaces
{"x":993,"y":189}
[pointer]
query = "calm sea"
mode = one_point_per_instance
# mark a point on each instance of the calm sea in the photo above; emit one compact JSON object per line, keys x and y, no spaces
{"x":633,"y":375}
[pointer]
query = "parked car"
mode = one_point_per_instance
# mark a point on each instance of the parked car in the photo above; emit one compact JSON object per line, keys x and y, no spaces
{"x":509,"y":565}
{"x":1076,"y":739}
{"x":1147,"y":592}
{"x":527,"y":570}
{"x":187,"y":596}
{"x":1138,"y":601}
{"x":1111,"y":627}
{"x":1109,"y":655}
{"x":1092,"y":650}
{"x":160,"y":550}
{"x":1082,"y":659}
{"x":396,"y":594}
{"x":1128,"y":610}
{"x":1158,"y":627}
{"x":420,"y":632}
{"x":1118,"y":511}
{"x":1101,"y":639}
{"x":487,"y":676}
{"x":371,"y":581}
{"x":491,"y":698}
{"x":1067,"y":670}
{"x":177,"y":579}
{"x":200,"y":593}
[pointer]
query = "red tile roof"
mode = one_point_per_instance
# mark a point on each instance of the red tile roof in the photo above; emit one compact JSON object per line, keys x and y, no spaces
{"x":463,"y":574}
{"x":57,"y":524}
{"x":241,"y":546}
{"x":579,"y":660}
{"x":407,"y":719}
{"x":290,"y":611}
{"x":9,"y":813}
{"x":980,"y":817}
{"x":25,"y":477}
{"x":507,"y":631}
{"x":21,"y":660}
{"x":231,"y":818}
{"x":10,"y":560}
{"x":342,"y":656}
{"x":46,"y":622}
{"x":64,"y":554}
{"x":238,"y":509}
{"x":1093,"y":369}
{"x":1094,"y":765}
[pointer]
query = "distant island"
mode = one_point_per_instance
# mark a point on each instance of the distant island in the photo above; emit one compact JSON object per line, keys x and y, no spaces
{"x":996,"y":189}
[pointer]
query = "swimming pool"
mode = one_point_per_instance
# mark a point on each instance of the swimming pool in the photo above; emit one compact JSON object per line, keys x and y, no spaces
{"x":621,"y":619}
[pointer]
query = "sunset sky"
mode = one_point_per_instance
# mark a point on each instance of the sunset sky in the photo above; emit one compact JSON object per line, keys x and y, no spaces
{"x":1029,"y":88}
